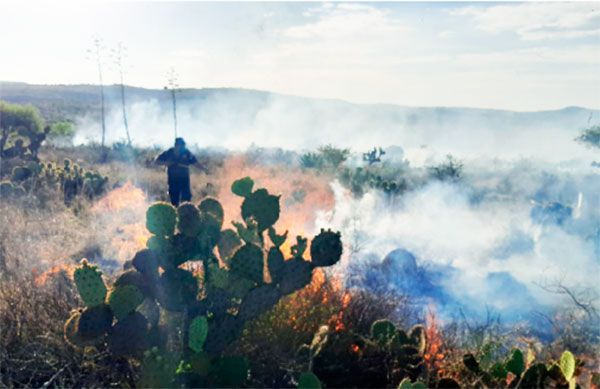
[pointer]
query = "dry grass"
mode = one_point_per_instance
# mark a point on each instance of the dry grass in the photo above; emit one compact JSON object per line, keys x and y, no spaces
{"x":33,"y":352}
{"x":33,"y":239}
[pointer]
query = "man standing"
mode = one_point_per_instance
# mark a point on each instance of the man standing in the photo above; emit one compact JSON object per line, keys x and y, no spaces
{"x":178,"y":160}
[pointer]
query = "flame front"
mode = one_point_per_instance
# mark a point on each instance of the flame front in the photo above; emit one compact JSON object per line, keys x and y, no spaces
{"x":434,"y":356}
{"x":120,"y":218}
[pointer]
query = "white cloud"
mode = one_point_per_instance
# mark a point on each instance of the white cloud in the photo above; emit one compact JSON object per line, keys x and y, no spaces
{"x":538,"y":21}
{"x":346,"y":21}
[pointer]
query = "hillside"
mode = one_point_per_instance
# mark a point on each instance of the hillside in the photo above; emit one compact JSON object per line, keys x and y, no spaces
{"x":66,"y":101}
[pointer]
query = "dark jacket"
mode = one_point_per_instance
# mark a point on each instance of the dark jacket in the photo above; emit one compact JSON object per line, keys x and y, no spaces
{"x":177,"y":165}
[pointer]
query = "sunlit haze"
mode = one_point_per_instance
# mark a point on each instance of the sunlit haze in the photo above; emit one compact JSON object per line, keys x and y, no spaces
{"x":519,"y":56}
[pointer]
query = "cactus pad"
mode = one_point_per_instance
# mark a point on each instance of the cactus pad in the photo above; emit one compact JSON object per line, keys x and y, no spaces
{"x":176,"y":288}
{"x":300,"y":247}
{"x":129,"y":336}
{"x":146,"y":262}
{"x":213,"y":208}
{"x":242,"y":187}
{"x":516,"y":363}
{"x":309,"y":380}
{"x":261,"y":207}
{"x":383,"y":331}
{"x":124,"y":300}
{"x":90,"y":284}
{"x":162,"y":249}
{"x":198,"y":331}
{"x":210,"y":233}
{"x":248,"y":262}
{"x":161,"y":218}
{"x":71,"y":334}
{"x":228,"y":244}
{"x":567,"y":365}
{"x":418,"y":338}
{"x":297,"y":273}
{"x":277,"y":240}
{"x":249,"y":233}
{"x":94,"y":322}
{"x":326,"y":248}
{"x":188,"y":219}
{"x":145,"y":284}
{"x":275,"y":264}
{"x":258,"y":301}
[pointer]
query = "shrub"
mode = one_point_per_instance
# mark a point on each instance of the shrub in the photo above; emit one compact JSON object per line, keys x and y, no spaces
{"x":590,"y":137}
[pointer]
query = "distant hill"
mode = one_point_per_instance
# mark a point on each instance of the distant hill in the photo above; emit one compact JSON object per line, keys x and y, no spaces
{"x":59,"y":102}
{"x":64,"y":101}
{"x":236,"y":118}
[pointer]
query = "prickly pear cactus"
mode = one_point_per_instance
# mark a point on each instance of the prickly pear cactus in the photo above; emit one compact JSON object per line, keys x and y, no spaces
{"x":198,"y":331}
{"x":326,"y":248}
{"x":242,"y":187}
{"x":90,"y":285}
{"x":158,"y":308}
{"x":213,"y":208}
{"x":161,"y":218}
{"x":188,"y":219}
{"x":385,"y":353}
{"x":248,"y":262}
{"x":261,"y":207}
{"x":124,"y":299}
{"x":383,"y":331}
{"x":94,"y":322}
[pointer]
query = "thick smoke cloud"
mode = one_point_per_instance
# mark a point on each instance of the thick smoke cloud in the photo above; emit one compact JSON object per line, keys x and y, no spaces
{"x":486,"y":242}
{"x":236,"y":119}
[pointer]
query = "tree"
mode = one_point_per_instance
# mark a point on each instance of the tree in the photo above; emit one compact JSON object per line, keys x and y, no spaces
{"x":16,"y":119}
{"x":61,"y":133}
{"x":590,"y":136}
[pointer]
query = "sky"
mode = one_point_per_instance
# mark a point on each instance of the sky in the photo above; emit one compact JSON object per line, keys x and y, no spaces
{"x":519,"y":56}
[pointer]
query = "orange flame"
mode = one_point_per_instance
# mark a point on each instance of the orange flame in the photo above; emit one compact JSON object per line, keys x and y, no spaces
{"x":434,"y":355}
{"x":323,"y":300}
{"x":42,"y":279}
{"x":303,"y":194}
{"x":121,"y":215}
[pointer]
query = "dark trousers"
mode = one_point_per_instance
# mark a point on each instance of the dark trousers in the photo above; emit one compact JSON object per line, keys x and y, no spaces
{"x":179,"y":189}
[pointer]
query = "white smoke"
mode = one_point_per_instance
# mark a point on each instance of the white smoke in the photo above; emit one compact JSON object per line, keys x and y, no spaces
{"x":236,"y":119}
{"x":484,"y":226}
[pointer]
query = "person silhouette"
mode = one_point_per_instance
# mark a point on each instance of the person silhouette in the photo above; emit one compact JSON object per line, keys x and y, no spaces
{"x":178,"y":160}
